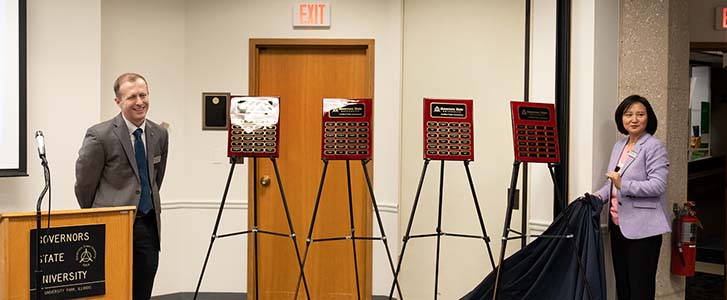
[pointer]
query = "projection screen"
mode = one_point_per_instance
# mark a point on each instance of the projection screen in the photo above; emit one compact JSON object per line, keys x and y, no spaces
{"x":12,"y":89}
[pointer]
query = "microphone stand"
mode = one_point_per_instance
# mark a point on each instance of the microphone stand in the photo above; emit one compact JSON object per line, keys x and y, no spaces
{"x":38,"y":270}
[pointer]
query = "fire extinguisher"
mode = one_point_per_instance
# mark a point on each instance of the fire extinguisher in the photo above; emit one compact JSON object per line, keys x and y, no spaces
{"x":684,"y":240}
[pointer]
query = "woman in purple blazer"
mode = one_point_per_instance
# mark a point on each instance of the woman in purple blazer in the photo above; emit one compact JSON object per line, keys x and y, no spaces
{"x":636,"y":194}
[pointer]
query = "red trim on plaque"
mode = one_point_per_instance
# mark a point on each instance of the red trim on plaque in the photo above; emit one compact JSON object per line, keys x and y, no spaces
{"x":347,"y":129}
{"x":253,"y":129}
{"x":448,"y":129}
{"x":534,"y":132}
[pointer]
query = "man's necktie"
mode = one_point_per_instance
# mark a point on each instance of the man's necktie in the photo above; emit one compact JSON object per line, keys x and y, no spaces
{"x":145,"y":204}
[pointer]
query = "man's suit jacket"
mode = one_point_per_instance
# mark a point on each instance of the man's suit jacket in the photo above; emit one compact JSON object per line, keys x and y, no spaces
{"x":643,"y":208}
{"x":106,"y":171}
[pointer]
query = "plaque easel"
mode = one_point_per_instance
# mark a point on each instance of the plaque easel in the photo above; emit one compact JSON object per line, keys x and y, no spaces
{"x":448,"y":136}
{"x":347,"y":135}
{"x":253,"y":132}
{"x":535,"y":140}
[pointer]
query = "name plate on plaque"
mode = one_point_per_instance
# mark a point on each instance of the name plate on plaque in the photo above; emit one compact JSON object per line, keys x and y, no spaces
{"x":72,"y":260}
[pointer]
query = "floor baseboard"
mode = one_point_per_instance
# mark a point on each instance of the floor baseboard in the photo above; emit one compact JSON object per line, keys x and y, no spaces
{"x":202,"y":296}
{"x":219,"y":296}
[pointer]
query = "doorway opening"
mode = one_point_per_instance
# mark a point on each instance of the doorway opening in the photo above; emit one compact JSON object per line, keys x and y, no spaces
{"x":706,"y":167}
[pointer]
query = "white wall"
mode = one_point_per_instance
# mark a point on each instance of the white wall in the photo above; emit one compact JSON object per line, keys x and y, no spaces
{"x":594,"y":93}
{"x":185,"y":48}
{"x":470,"y":50}
{"x":605,"y":88}
{"x":63,"y":89}
{"x":542,"y":89}
{"x":149,"y":37}
{"x":582,"y":97}
{"x":424,"y":48}
{"x":594,"y":98}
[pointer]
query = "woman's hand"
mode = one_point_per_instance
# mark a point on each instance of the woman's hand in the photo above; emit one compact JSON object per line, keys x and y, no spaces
{"x":615,"y":178}
{"x":597,"y":196}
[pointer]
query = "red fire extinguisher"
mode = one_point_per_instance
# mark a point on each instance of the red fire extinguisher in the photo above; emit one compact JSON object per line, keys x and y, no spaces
{"x":684,"y":240}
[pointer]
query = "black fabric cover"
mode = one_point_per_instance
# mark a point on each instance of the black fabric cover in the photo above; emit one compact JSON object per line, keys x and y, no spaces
{"x":548,"y":268}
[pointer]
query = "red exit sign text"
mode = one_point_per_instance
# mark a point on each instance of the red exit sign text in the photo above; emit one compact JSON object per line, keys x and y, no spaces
{"x":312,"y":15}
{"x":720,"y":19}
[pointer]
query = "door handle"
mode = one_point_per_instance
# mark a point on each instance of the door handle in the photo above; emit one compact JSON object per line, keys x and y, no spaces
{"x":265,"y":180}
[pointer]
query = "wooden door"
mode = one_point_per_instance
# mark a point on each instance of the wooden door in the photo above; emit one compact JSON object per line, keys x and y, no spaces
{"x":301,"y":73}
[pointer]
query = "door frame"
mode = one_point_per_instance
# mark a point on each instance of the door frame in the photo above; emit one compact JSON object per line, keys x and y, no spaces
{"x":256,"y":45}
{"x":715,"y":46}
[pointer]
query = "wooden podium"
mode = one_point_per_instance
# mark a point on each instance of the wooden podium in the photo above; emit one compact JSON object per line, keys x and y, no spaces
{"x":15,"y":249}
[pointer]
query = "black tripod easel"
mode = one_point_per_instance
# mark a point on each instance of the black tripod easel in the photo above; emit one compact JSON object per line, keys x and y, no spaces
{"x":439,"y":233}
{"x":506,"y":230}
{"x":255,"y":230}
{"x":352,"y":236}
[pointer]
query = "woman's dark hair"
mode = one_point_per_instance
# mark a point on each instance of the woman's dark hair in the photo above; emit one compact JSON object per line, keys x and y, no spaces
{"x":651,"y":121}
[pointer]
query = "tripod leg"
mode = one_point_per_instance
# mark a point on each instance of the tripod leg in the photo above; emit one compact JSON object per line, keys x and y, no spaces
{"x":580,"y":268}
{"x":378,"y":218}
{"x":506,"y":229}
{"x":524,"y":200}
{"x":551,"y":168}
{"x":255,"y":228}
{"x":479,"y":213}
{"x":353,"y":229}
{"x":439,"y":229}
{"x":309,"y":239}
{"x":214,"y":231}
{"x":576,"y":254}
{"x":290,"y":226}
{"x":408,"y":231}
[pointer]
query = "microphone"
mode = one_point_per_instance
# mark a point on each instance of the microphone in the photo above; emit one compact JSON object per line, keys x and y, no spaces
{"x":40,"y":140}
{"x":616,"y":169}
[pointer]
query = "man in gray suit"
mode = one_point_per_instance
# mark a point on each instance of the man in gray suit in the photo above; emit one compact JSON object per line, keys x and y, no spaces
{"x":122,"y":162}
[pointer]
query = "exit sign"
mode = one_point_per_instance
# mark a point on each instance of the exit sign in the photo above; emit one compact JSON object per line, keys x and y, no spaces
{"x":312,"y":15}
{"x":720,"y":20}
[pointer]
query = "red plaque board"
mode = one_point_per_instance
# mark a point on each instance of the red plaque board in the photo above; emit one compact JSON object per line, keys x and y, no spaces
{"x":448,"y":130}
{"x":347,"y":129}
{"x":534,"y":132}
{"x":254,"y":129}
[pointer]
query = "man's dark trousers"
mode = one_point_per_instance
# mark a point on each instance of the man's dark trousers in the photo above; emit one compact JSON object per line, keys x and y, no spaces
{"x":146,"y":255}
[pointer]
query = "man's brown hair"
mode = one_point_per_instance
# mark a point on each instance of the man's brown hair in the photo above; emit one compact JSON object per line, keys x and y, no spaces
{"x":127,"y":77}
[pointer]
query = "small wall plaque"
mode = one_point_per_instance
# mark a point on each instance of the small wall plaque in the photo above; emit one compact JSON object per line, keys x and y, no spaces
{"x":215,"y":107}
